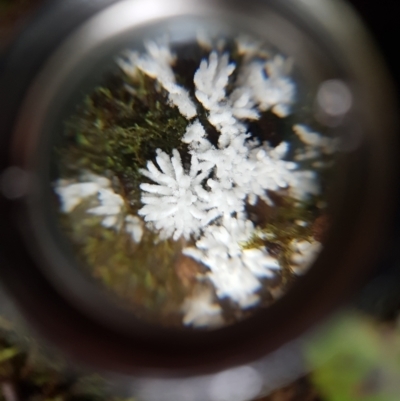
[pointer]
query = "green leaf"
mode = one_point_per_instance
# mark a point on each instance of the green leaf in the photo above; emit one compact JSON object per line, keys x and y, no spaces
{"x":354,"y":359}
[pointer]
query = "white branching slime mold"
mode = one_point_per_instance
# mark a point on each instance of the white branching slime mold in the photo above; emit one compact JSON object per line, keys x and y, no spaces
{"x":207,"y":181}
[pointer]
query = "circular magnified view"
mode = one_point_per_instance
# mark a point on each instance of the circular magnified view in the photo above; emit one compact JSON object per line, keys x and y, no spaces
{"x":191,"y":181}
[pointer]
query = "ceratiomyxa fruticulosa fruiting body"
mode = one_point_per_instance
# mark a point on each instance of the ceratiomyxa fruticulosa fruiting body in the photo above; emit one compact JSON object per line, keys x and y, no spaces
{"x":204,"y":151}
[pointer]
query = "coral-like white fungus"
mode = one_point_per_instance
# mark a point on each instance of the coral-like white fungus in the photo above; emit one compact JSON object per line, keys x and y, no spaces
{"x":315,"y":143}
{"x":211,"y":80}
{"x":110,"y":205}
{"x":172,"y":205}
{"x":71,"y":193}
{"x":304,"y":254}
{"x":156,"y":63}
{"x":234,"y":272}
{"x":248,"y":46}
{"x":134,"y":227}
{"x":200,"y":310}
{"x":206,"y":201}
{"x":270,"y":86}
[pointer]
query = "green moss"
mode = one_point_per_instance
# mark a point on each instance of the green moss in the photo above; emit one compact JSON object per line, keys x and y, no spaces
{"x":357,"y":359}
